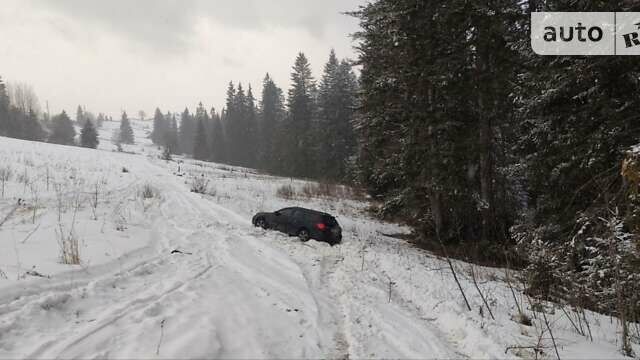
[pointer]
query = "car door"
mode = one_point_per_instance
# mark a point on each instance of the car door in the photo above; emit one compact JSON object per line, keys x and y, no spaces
{"x":281,"y":219}
{"x":295,"y":221}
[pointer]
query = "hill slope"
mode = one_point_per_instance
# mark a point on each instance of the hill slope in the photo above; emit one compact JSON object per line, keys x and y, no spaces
{"x":168,"y":273}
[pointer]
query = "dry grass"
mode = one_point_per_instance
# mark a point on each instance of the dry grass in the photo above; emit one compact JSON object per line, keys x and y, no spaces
{"x":69,"y":249}
{"x":286,"y":192}
{"x":320,"y":190}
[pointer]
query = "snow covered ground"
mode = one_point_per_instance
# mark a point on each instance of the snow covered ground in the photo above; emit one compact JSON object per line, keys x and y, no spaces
{"x":232,"y":290}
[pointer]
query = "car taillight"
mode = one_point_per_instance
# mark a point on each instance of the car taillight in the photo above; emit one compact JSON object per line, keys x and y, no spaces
{"x":321,"y":226}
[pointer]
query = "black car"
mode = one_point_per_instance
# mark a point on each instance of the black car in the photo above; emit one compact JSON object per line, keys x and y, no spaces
{"x":304,"y":223}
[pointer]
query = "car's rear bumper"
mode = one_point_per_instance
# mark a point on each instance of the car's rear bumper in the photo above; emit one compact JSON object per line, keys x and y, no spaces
{"x":330,"y":238}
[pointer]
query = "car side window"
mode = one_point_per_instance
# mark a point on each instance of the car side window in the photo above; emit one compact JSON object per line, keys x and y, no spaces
{"x":285,"y":212}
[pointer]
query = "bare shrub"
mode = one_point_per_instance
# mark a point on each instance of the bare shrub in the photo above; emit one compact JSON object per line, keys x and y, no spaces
{"x":67,"y":240}
{"x":200,"y":185}
{"x":320,"y":190}
{"x":148,"y":192}
{"x":24,"y":177}
{"x":95,"y":200}
{"x":5,"y":175}
{"x":286,"y":192}
{"x":35,"y":199}
{"x":69,"y":248}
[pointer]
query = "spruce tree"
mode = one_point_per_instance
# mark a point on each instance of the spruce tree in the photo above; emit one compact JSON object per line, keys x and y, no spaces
{"x":171,"y":135}
{"x":186,"y":133}
{"x":80,"y":117}
{"x":336,"y":109}
{"x":63,"y":131}
{"x":31,"y":127}
{"x":126,"y":132}
{"x":251,"y":132}
{"x":271,"y":116}
{"x":238,"y":128}
{"x":4,"y":109}
{"x":436,"y":85}
{"x":89,"y":135}
{"x":159,"y":128}
{"x":297,"y":152}
{"x":201,"y":148}
{"x":578,"y":122}
{"x":233,"y":126}
{"x":217,"y":144}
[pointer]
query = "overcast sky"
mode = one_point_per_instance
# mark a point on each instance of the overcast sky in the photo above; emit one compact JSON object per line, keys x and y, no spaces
{"x":112,"y":55}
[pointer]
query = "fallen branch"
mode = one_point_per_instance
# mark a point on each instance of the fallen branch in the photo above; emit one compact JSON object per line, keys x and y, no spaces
{"x":536,"y":348}
{"x":36,"y":274}
{"x":30,"y":234}
{"x":181,"y":252}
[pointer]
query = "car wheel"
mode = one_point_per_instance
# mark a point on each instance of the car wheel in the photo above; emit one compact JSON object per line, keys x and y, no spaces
{"x":261,"y":222}
{"x":303,"y":234}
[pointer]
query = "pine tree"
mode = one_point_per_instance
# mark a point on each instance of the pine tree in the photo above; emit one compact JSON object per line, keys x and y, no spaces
{"x":159,"y":128}
{"x":271,"y":116}
{"x":201,"y":148}
{"x":31,"y":127}
{"x":89,"y":135}
{"x":436,"y":82}
{"x":578,"y":117}
{"x":63,"y":131}
{"x":126,"y":132}
{"x":251,"y":132}
{"x":171,"y":135}
{"x":238,"y":128}
{"x":336,"y":109}
{"x":232,"y":124}
{"x":4,"y":109}
{"x":80,"y":117}
{"x":217,"y":144}
{"x":186,"y":134}
{"x":297,"y":154}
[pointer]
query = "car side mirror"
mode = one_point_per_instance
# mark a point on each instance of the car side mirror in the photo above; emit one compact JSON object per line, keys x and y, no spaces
{"x":277,"y":213}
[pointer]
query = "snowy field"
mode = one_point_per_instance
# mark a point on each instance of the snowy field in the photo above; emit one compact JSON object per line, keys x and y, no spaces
{"x":167,"y":273}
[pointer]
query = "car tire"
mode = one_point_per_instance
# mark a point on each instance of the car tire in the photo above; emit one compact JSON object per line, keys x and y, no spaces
{"x":261,"y":222}
{"x":303,"y":235}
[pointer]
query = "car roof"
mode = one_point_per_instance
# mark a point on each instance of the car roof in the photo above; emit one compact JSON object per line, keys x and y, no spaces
{"x":305,"y":209}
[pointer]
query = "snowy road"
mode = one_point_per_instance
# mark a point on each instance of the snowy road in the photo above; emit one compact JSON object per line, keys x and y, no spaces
{"x":232,"y":290}
{"x":229,"y":293}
